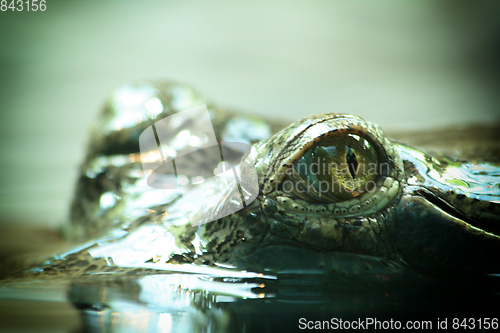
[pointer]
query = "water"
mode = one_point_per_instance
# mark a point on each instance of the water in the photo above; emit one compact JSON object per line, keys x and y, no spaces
{"x":186,"y":298}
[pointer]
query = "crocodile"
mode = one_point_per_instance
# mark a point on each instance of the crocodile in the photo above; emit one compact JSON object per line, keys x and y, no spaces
{"x":334,"y":194}
{"x":338,"y":212}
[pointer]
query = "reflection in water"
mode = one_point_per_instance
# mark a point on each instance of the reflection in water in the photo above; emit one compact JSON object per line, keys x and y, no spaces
{"x":160,"y":297}
{"x":162,"y":303}
{"x":200,"y":303}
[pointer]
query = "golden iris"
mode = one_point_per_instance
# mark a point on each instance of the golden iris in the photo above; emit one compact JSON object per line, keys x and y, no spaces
{"x":340,"y":167}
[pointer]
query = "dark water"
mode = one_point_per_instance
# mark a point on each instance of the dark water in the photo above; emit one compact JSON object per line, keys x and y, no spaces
{"x":222,"y":300}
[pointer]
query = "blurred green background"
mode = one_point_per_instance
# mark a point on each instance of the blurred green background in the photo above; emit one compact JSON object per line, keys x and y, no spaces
{"x":403,"y":65}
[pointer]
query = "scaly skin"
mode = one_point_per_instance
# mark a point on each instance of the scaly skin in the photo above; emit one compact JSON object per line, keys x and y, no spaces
{"x":419,"y":218}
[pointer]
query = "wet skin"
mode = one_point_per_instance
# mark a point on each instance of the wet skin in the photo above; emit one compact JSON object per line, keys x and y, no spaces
{"x":370,"y":208}
{"x":432,"y":214}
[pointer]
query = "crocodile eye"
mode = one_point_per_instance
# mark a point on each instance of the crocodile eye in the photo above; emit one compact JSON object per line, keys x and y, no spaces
{"x":339,"y":167}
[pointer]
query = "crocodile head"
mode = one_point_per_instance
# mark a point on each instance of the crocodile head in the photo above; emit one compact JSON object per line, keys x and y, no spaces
{"x":334,"y":194}
{"x":336,"y":188}
{"x":346,"y":222}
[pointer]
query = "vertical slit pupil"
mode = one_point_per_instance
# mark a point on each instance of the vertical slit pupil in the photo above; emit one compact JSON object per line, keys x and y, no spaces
{"x":352,"y":161}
